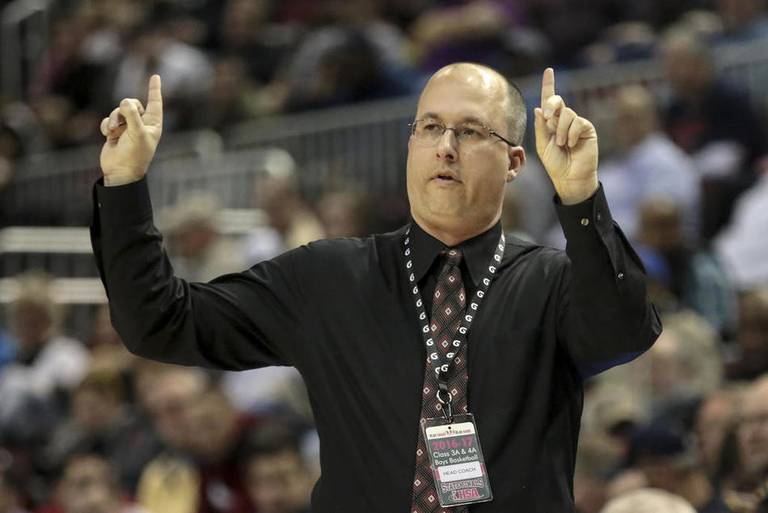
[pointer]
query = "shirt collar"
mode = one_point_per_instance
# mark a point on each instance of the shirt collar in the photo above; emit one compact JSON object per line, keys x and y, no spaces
{"x":477,"y":251}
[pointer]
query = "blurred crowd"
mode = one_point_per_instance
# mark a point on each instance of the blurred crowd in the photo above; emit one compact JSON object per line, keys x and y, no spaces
{"x":224,"y":62}
{"x":87,"y":428}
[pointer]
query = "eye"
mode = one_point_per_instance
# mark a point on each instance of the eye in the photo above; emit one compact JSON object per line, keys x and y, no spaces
{"x":469,"y":132}
{"x":431,"y":127}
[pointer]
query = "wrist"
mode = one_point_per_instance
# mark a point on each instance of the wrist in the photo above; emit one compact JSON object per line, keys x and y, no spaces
{"x":113,"y":180}
{"x":575,"y":192}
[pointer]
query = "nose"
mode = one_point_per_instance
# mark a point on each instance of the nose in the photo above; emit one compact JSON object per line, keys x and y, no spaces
{"x":447,"y":147}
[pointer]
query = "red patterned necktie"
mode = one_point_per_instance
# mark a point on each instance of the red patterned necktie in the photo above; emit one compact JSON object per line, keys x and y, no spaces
{"x":448,"y":304}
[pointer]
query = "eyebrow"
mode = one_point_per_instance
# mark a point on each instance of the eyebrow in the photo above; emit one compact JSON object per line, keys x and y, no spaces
{"x":465,"y":119}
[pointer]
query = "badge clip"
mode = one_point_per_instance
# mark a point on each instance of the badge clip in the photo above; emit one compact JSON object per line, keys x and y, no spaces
{"x":442,"y":389}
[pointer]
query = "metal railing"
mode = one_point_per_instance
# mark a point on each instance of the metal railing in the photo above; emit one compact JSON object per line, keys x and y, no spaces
{"x":66,"y":251}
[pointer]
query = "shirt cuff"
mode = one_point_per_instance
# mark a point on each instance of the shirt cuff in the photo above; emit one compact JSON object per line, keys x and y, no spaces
{"x":591,"y":216}
{"x":122,"y":205}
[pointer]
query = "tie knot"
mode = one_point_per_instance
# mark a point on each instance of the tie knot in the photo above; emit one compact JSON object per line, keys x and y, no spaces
{"x":452,"y":256}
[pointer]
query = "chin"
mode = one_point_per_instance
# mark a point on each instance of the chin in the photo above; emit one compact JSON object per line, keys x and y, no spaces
{"x":447,"y":213}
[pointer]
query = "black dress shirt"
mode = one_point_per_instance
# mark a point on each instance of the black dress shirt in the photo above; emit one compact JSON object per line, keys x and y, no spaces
{"x":341,"y":312}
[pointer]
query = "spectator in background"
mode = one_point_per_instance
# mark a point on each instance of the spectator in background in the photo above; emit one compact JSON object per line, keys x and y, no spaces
{"x":703,"y":24}
{"x":749,"y":358}
{"x":205,"y":433}
{"x":102,"y":421}
{"x":595,"y":462}
{"x":669,"y":463}
{"x":291,"y":221}
{"x":663,"y":387}
{"x":349,"y":71}
{"x":246,"y":31}
{"x":648,"y":500}
{"x":107,"y":352}
{"x":185,"y":69}
{"x":46,"y":367}
{"x":752,"y":436}
{"x":61,"y":93}
{"x":278,"y":478}
{"x":88,"y":485}
{"x":715,"y":419}
{"x":216,"y":433}
{"x":488,"y":32}
{"x":233,"y":98}
{"x":170,"y":483}
{"x":355,"y":56}
{"x":694,"y":277}
{"x":621,"y":42}
{"x":198,"y":250}
{"x":344,"y":214}
{"x":11,"y":492}
{"x":714,"y":123}
{"x":741,"y":246}
{"x":744,"y":20}
{"x":685,"y":365}
{"x":647,"y":166}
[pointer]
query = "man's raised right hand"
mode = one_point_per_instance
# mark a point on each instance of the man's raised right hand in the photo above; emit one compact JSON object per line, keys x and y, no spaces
{"x":132,"y":135}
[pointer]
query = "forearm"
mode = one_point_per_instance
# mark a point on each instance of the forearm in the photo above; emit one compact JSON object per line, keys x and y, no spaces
{"x":606,"y":317}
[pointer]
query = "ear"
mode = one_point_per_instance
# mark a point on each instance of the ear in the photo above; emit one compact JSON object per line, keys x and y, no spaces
{"x":516,"y":156}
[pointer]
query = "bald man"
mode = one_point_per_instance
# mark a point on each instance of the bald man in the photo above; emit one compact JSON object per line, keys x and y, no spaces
{"x":444,"y":362}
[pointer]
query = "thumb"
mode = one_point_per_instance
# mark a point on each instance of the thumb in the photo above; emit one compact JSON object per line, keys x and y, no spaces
{"x":542,"y":132}
{"x":132,"y":116}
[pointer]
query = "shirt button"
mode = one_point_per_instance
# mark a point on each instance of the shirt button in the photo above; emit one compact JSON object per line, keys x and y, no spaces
{"x":584,"y":221}
{"x":620,"y":276}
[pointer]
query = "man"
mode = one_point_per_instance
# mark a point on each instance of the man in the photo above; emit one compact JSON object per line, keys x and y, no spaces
{"x":669,"y":463}
{"x":277,"y":476}
{"x":170,"y":483}
{"x":101,"y":418}
{"x":715,"y":417}
{"x":348,"y":313}
{"x":752,"y":437}
{"x":88,"y":485}
{"x":647,"y":165}
{"x":714,"y":122}
{"x":198,"y":249}
{"x":46,"y":363}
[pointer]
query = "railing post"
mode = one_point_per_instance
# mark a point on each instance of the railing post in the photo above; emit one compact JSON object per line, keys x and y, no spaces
{"x":24,"y":28}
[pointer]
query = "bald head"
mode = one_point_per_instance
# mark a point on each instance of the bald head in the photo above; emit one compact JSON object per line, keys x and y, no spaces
{"x":456,"y":177}
{"x":494,"y":85}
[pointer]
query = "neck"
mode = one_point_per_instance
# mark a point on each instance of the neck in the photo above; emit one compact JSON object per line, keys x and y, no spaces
{"x":453,"y":236}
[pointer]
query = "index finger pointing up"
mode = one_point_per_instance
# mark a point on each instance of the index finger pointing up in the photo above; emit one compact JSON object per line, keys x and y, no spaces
{"x":154,"y":112}
{"x":547,"y":85}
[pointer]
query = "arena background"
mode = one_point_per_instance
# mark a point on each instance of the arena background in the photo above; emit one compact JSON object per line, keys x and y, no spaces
{"x":287,"y":121}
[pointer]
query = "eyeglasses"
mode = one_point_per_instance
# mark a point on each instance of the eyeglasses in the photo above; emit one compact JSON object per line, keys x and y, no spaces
{"x":429,"y":132}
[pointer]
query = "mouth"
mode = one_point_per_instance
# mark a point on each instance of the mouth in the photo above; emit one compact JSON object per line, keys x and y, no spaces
{"x":446,"y":177}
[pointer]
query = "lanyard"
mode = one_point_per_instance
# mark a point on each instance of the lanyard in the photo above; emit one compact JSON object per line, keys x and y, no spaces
{"x":441,"y":367}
